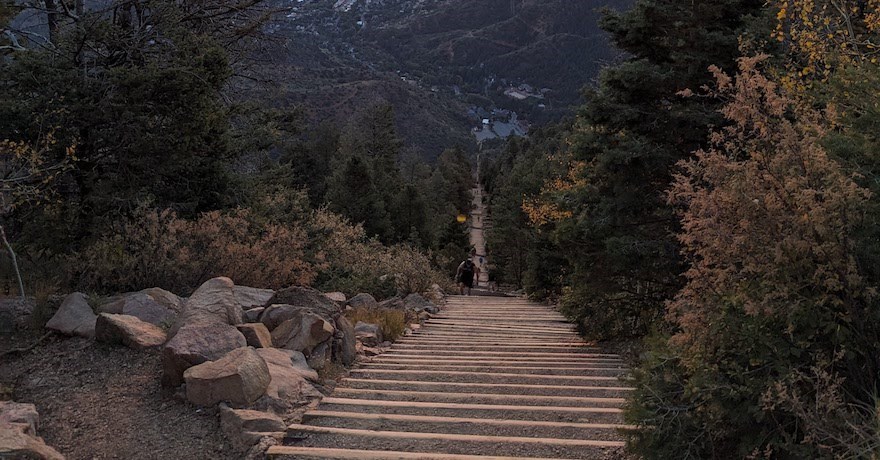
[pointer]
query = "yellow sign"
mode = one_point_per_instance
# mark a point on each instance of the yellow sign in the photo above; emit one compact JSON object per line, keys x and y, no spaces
{"x":461,"y":218}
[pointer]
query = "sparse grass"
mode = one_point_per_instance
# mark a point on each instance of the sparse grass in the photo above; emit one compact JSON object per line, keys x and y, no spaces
{"x":43,"y":304}
{"x":7,"y":392}
{"x":333,"y":371}
{"x":391,"y":322}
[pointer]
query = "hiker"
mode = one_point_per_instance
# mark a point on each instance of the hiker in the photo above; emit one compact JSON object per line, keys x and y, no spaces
{"x":476,"y":275}
{"x":464,"y":276}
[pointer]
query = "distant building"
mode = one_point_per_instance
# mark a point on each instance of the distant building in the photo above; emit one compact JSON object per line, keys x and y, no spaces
{"x":515,"y":94}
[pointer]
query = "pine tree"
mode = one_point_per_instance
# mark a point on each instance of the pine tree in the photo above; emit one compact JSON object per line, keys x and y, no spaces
{"x":630,"y":133}
{"x":352,"y":192}
{"x":141,"y":104}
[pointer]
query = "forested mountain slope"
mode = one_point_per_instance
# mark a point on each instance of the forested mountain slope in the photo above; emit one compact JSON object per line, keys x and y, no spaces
{"x":433,"y":61}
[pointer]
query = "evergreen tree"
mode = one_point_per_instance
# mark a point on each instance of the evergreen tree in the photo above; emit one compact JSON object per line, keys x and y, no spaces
{"x":373,"y":139}
{"x":311,"y":161}
{"x":352,"y":193}
{"x":525,"y":255}
{"x":630,"y":133}
{"x":140,"y":101}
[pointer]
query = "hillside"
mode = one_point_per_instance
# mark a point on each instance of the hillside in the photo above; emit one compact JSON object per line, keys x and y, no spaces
{"x":440,"y":63}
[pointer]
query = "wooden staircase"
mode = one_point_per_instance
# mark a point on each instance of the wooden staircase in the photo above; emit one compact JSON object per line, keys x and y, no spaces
{"x":488,"y":378}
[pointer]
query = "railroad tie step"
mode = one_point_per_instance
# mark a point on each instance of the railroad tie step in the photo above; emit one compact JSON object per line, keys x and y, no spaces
{"x":358,"y":454}
{"x":469,"y":406}
{"x":398,"y":435}
{"x":522,"y":399}
{"x":489,"y":378}
{"x":464,"y":423}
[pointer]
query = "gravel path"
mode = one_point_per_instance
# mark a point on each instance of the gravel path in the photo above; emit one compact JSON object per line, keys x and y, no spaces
{"x":485,"y":379}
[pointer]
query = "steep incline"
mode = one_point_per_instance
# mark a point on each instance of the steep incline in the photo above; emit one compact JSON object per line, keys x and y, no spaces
{"x":479,"y":223}
{"x":488,"y":378}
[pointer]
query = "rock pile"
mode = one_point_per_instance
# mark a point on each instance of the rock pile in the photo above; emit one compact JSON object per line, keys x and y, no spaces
{"x":254,"y":351}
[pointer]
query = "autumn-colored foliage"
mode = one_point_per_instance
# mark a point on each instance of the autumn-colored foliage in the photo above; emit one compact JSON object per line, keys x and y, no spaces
{"x":777,"y":327}
{"x":158,"y":248}
{"x":821,"y":35}
{"x":766,"y":211}
{"x":29,"y":169}
{"x":275,"y":245}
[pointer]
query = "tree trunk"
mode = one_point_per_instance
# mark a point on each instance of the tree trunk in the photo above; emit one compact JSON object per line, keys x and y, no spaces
{"x":14,"y":261}
{"x":52,"y":20}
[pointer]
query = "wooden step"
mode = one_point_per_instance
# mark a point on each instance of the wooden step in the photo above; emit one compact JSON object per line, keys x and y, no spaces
{"x":450,"y":347}
{"x":524,"y":370}
{"x":416,"y":339}
{"x":486,"y":396}
{"x":519,"y":317}
{"x":488,"y":385}
{"x":491,"y":376}
{"x":359,"y":454}
{"x":485,"y":374}
{"x":499,"y":354}
{"x":502,"y":366}
{"x":496,"y":345}
{"x":507,"y":362}
{"x":491,"y":335}
{"x":451,"y":325}
{"x":454,"y":437}
{"x":444,"y":405}
{"x":495,"y":370}
{"x":481,"y":421}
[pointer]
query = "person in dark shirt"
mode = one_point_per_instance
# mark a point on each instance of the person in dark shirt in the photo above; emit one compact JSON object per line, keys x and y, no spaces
{"x":464,"y":276}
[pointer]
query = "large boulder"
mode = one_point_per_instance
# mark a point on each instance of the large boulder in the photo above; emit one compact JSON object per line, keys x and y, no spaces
{"x":18,"y":433}
{"x":239,"y":377}
{"x":248,"y":297}
{"x":321,"y":355}
{"x":195,"y":345}
{"x":346,"y":342}
{"x":276,"y":314}
{"x":16,"y":444}
{"x":22,"y":414}
{"x":213,"y":303}
{"x":369,"y":334}
{"x":16,"y":313}
{"x":394,"y":303}
{"x":303,"y":332}
{"x":155,"y":306}
{"x":74,"y":317}
{"x":289,"y":389}
{"x":436,"y":293}
{"x":363,"y":300}
{"x":417,"y":303}
{"x":309,"y":299}
{"x":256,"y":334}
{"x":293,"y":361}
{"x":335,"y":296}
{"x":253,"y":315}
{"x":129,"y":331}
{"x":244,"y":427}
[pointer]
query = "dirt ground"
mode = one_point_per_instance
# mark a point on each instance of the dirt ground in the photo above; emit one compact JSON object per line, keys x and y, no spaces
{"x":104,"y":402}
